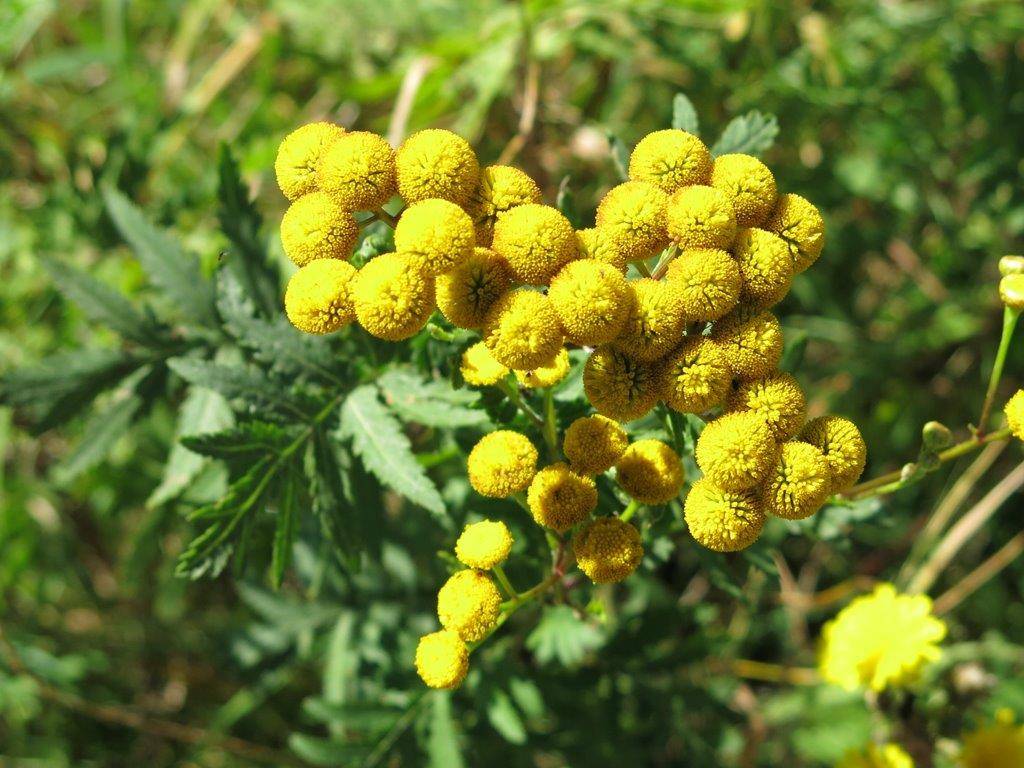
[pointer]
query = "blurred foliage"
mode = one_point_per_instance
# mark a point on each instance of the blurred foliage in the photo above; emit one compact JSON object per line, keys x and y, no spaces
{"x":901,"y":120}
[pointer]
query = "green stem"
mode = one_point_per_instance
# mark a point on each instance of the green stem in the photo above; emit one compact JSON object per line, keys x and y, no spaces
{"x":387,"y":218}
{"x":512,"y":393}
{"x":551,"y":425}
{"x":642,"y":268}
{"x":629,"y":511}
{"x":520,"y":499}
{"x":499,"y":574}
{"x":666,"y":258}
{"x":1010,"y":316}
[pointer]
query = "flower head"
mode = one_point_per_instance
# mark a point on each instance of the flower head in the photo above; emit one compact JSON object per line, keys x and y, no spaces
{"x":720,"y":520}
{"x":777,"y":397}
{"x":393,"y":297}
{"x":618,"y":386}
{"x":466,"y":293}
{"x":798,"y":222}
{"x":318,"y":298}
{"x":751,"y":342}
{"x":560,"y":498}
{"x":502,"y":463}
{"x":436,"y":163}
{"x":358,"y":171}
{"x":469,"y":604}
{"x":650,"y":472}
{"x":1011,"y":291}
{"x":874,"y":756}
{"x":535,"y":240}
{"x":701,"y":217}
{"x":442,"y":659}
{"x":749,"y":185}
{"x":601,"y":244}
{"x":479,"y":368}
{"x":707,"y":281}
{"x":670,"y":159}
{"x":655,"y":321}
{"x":484,"y":545}
{"x":844,"y":448}
{"x":438,"y":233}
{"x":1000,"y":745}
{"x":593,"y":444}
{"x":499,"y":189}
{"x":1015,"y":414}
{"x":608,"y":550}
{"x":799,"y":484}
{"x":522,"y":330}
{"x":592,"y":300}
{"x":880,"y":640}
{"x":737,"y":451}
{"x":765,"y":266}
{"x":316,"y":227}
{"x":546,"y":375}
{"x":634,"y":212}
{"x":298,"y":158}
{"x":695,"y":377}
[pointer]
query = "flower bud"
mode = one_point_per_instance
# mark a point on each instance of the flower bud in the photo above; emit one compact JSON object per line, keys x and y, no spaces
{"x":1012,"y":264}
{"x":936,"y":436}
{"x":1011,"y":291}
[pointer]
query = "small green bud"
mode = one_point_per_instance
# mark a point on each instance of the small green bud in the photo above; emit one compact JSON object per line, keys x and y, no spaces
{"x":936,"y":437}
{"x":1011,"y":265}
{"x":1011,"y":291}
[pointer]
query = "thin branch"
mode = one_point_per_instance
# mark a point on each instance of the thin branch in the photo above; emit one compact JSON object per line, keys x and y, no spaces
{"x":973,"y":581}
{"x":531,"y":92}
{"x":414,"y":77}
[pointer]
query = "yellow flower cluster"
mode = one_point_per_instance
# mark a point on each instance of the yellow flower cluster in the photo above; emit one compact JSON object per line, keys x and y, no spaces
{"x":876,"y":756}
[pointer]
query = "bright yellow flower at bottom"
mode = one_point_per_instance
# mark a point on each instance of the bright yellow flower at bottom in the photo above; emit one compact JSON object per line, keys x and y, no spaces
{"x":880,"y":640}
{"x":872,"y":756}
{"x":469,"y":604}
{"x":1000,"y":745}
{"x":442,"y":659}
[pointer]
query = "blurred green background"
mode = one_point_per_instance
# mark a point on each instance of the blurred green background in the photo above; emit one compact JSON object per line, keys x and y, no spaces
{"x":901,"y":120}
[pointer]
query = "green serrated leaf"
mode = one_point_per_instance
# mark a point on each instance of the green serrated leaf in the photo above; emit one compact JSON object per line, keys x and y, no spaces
{"x":286,"y":529}
{"x":234,"y":381}
{"x":752,"y":134}
{"x":250,"y":438}
{"x":684,"y":115}
{"x":326,"y":752}
{"x":795,"y":349}
{"x":505,"y":718}
{"x":104,"y":429}
{"x":560,"y":636}
{"x":620,"y":155}
{"x":378,"y":440}
{"x":443,"y":749}
{"x":168,"y":265}
{"x":428,"y":402}
{"x":104,"y":305}
{"x":357,"y":716}
{"x":337,"y":519}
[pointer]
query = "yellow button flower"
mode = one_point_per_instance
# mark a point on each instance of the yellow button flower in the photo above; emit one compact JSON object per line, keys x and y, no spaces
{"x":799,"y":484}
{"x":765,"y":266}
{"x":777,"y":397}
{"x":484,"y":545}
{"x":469,"y":604}
{"x":393,"y":297}
{"x":618,"y":386}
{"x":798,"y":222}
{"x":601,"y":244}
{"x":522,"y":330}
{"x":722,"y":521}
{"x":737,"y":451}
{"x":670,"y":159}
{"x":593,"y":444}
{"x":500,"y":188}
{"x":298,"y":158}
{"x":707,"y":281}
{"x":436,"y":163}
{"x":874,"y":756}
{"x":358,"y":171}
{"x":442,"y":659}
{"x":843,"y":446}
{"x":1015,"y":414}
{"x":546,"y":375}
{"x":695,"y":377}
{"x":634,"y":212}
{"x":1000,"y":745}
{"x":466,"y":293}
{"x":316,"y":227}
{"x":751,"y":341}
{"x":559,"y":498}
{"x":592,"y":300}
{"x":479,"y":368}
{"x":535,"y":240}
{"x":749,"y":185}
{"x":318,"y":298}
{"x":881,"y":640}
{"x":650,"y":472}
{"x":608,"y":550}
{"x":438,"y":233}
{"x":1011,"y":291}
{"x":502,"y":463}
{"x":701,"y":217}
{"x":655,"y":322}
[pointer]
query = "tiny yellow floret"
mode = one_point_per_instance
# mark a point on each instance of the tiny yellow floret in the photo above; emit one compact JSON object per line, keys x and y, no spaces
{"x":618,"y":386}
{"x":708,"y":282}
{"x":393,"y":296}
{"x":748,"y":184}
{"x":700,"y":217}
{"x":502,"y":463}
{"x":592,"y":300}
{"x":535,"y":240}
{"x":799,"y":484}
{"x":469,"y":604}
{"x":751,"y":342}
{"x":1015,"y":414}
{"x":593,"y":444}
{"x":442,"y":659}
{"x":484,"y":545}
{"x":798,"y":222}
{"x":720,"y":520}
{"x":466,"y":293}
{"x":601,"y":244}
{"x":316,"y":227}
{"x":358,"y":171}
{"x":778,"y":397}
{"x":500,"y":188}
{"x":559,"y":498}
{"x":522,"y":330}
{"x":843,"y":446}
{"x":650,"y":472}
{"x":634,"y":212}
{"x":654,"y":325}
{"x":298,"y":158}
{"x":737,"y":451}
{"x":608,"y":550}
{"x":765,"y":267}
{"x":695,"y":377}
{"x":546,"y":375}
{"x":670,"y":159}
{"x":436,"y":163}
{"x":479,"y":368}
{"x":318,"y":298}
{"x":437,"y":232}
